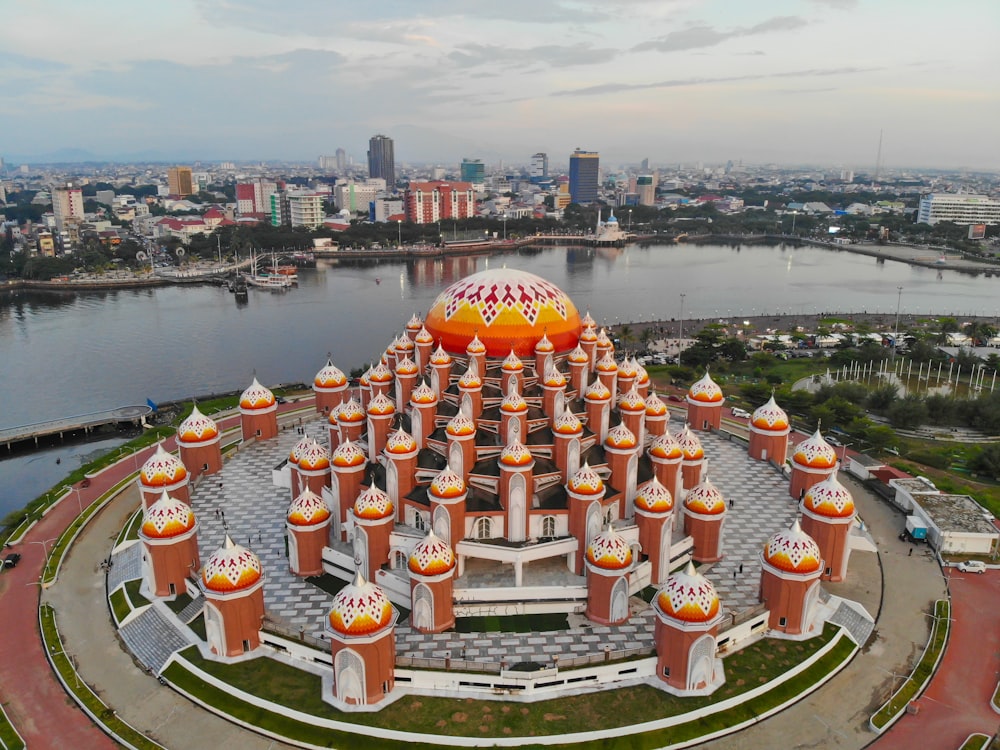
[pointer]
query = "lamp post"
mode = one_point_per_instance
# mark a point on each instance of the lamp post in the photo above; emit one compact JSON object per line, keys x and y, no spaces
{"x":630,"y":220}
{"x":680,"y":329}
{"x":505,"y":227}
{"x":45,"y":552}
{"x":399,"y":233}
{"x":895,"y":339}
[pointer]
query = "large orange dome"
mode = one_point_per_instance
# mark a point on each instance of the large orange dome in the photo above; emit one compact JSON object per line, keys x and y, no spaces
{"x":507,"y":309}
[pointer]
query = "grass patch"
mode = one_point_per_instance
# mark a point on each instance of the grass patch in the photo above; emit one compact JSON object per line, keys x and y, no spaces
{"x":9,"y":737}
{"x":540,"y":623}
{"x":179,"y":603}
{"x":80,"y":690}
{"x":119,"y":605}
{"x":198,"y":626}
{"x":132,"y":590}
{"x":131,"y":531}
{"x":327,"y":583}
{"x":922,"y":672}
{"x":996,"y":697}
{"x":976,"y":742}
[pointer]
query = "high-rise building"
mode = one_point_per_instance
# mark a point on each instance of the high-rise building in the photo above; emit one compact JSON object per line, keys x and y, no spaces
{"x":305,"y":209}
{"x":341,"y":160}
{"x":327,"y":163}
{"x":645,"y":164}
{"x":539,"y":167}
{"x":180,"y":181}
{"x":473,"y":170}
{"x":382,"y":160}
{"x":67,"y":204}
{"x":584,"y":176}
{"x":961,"y":208}
{"x":427,"y":202}
{"x":254,"y":197}
{"x":645,"y":186}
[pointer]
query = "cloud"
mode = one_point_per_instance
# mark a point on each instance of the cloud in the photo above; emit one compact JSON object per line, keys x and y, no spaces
{"x":696,"y":37}
{"x":838,"y":4}
{"x":556,"y":56}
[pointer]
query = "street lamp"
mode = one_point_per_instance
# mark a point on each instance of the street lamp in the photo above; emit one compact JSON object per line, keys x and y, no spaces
{"x":895,"y":340}
{"x":630,"y":220}
{"x":680,"y":328}
{"x":505,"y":227}
{"x":45,"y":568}
{"x":399,"y":233}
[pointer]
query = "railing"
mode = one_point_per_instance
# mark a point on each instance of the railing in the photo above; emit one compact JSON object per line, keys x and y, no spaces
{"x":496,"y":667}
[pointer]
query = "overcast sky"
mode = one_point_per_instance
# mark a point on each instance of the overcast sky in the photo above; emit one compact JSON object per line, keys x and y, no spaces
{"x":787,"y":81}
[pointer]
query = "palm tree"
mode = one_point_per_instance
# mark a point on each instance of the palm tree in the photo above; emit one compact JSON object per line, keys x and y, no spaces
{"x":980,"y":332}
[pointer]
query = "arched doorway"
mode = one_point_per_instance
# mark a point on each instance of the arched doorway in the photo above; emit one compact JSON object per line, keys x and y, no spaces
{"x":619,"y":600}
{"x":361,"y":549}
{"x":516,"y":513}
{"x":573,"y":457}
{"x":455,"y":461}
{"x":423,"y":608}
{"x":442,"y":523}
{"x":349,"y":676}
{"x":701,"y":659}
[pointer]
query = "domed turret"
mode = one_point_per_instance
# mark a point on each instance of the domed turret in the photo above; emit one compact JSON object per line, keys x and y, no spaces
{"x":197,"y":428}
{"x":380,"y":375}
{"x":829,"y":499}
{"x":515,"y":454}
{"x":514,"y":403}
{"x":567,"y":423}
{"x":512,"y":363}
{"x":198,"y":440}
{"x":231,"y":568}
{"x":166,"y":518}
{"x":627,"y":368}
{"x":666,"y":446}
{"x":815,"y":453}
{"x":400,"y":442}
{"x":381,"y":405}
{"x":553,"y":378}
{"x":373,"y":504}
{"x":705,"y":499}
{"x":431,"y":556}
{"x":632,"y":402}
{"x":298,"y":449}
{"x":460,"y":426}
{"x":414,"y":324}
{"x":308,"y":509}
{"x":440,"y":356}
{"x":653,"y":497}
{"x":597,"y":392}
{"x":470,"y":379}
{"x":589,"y":336}
{"x":407,"y":366}
{"x":330,"y":376}
{"x":620,"y":437}
{"x":609,"y":551}
{"x":360,"y":608}
{"x":423,"y":394}
{"x":603,"y":341}
{"x":793,"y":551}
{"x":256,"y":397}
{"x":314,"y":458}
{"x":588,"y":322}
{"x":690,"y":445}
{"x":705,"y":391}
{"x":607,"y":364}
{"x":586,"y":482}
{"x":544,"y":346}
{"x":578,"y":356}
{"x":689,"y":597}
{"x":350,"y":411}
{"x":770,"y":417}
{"x":348,"y":454}
{"x":475,"y":346}
{"x":423,"y":337}
{"x":446,"y":485}
{"x":655,"y":406}
{"x":162,"y":469}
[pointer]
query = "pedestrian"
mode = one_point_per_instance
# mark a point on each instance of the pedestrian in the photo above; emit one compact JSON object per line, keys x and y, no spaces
{"x":910,"y":553}
{"x":734,"y":574}
{"x":216,"y":514}
{"x":741,"y":568}
{"x":223,"y":514}
{"x":730,"y":503}
{"x":260,"y":539}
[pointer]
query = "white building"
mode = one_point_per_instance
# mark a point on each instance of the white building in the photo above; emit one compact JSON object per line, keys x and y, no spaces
{"x":67,"y":204}
{"x":959,"y":208}
{"x":305,"y":209}
{"x":356,"y":196}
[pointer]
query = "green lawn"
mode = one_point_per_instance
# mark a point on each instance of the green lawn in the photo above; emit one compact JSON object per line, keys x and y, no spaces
{"x":179,"y":603}
{"x":9,"y":738}
{"x":119,"y":605}
{"x":514,"y":624}
{"x":132,"y":590}
{"x":976,"y":742}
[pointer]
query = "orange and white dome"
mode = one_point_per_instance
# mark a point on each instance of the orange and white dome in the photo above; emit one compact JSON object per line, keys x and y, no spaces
{"x":770,"y":417}
{"x":423,"y":394}
{"x":553,"y":378}
{"x":400,"y":442}
{"x":814,"y":453}
{"x":460,"y":425}
{"x":515,"y":454}
{"x":257,"y":398}
{"x":567,"y":423}
{"x":578,"y":356}
{"x":705,"y":391}
{"x":166,"y":518}
{"x":603,"y":342}
{"x":404,"y":345}
{"x":373,"y":505}
{"x":348,"y":454}
{"x":690,"y":445}
{"x":231,"y":568}
{"x":609,"y":551}
{"x":381,"y":406}
{"x":588,"y":336}
{"x":653,"y":497}
{"x":606,"y":364}
{"x":655,"y":407}
{"x":381,"y":374}
{"x":360,"y":608}
{"x":298,"y":449}
{"x":586,"y":481}
{"x":475,"y":346}
{"x":620,"y":437}
{"x":423,"y":336}
{"x":641,"y":375}
{"x":470,"y":379}
{"x":414,"y":324}
{"x":588,"y":322}
{"x":666,"y":447}
{"x":705,"y":499}
{"x":504,"y":308}
{"x":544,"y":346}
{"x":688,"y":596}
{"x":632,"y":402}
{"x":350,"y":411}
{"x":447,"y":485}
{"x":329,"y":377}
{"x":440,"y":356}
{"x":512,"y":363}
{"x":597,"y":392}
{"x":829,"y":499}
{"x":431,"y":556}
{"x":197,"y":428}
{"x":314,"y":458}
{"x":627,"y":368}
{"x":407,"y":366}
{"x":513,"y":403}
{"x":793,"y":551}
{"x":308,"y":509}
{"x":162,"y":469}
{"x":365,"y":379}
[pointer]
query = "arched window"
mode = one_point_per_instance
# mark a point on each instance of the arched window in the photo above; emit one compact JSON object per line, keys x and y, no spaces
{"x":419,"y":521}
{"x":483,"y":529}
{"x":549,"y":526}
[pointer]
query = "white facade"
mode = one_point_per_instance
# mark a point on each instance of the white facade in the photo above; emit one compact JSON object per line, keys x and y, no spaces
{"x":356,"y":196}
{"x":959,"y":208}
{"x":67,"y":203}
{"x":305,"y":209}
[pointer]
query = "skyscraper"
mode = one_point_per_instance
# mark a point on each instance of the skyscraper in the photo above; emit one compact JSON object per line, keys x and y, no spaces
{"x":180,"y":181}
{"x":67,"y":205}
{"x":539,"y":167}
{"x":584,"y":170}
{"x":341,"y":160}
{"x":381,"y":160}
{"x":473,"y":170}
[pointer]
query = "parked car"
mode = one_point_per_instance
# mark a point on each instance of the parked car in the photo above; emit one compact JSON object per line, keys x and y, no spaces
{"x":833,"y":441}
{"x":741,"y":413}
{"x":12,"y":560}
{"x":972,"y":566}
{"x":674,"y":397}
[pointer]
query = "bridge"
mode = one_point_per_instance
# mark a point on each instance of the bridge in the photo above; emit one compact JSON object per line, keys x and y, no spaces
{"x":136,"y":415}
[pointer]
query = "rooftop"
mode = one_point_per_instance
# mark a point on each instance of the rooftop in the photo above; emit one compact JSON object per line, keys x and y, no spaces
{"x":958,"y":513}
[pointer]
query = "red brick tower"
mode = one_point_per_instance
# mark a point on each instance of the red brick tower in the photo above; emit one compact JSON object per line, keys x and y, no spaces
{"x":654,"y":515}
{"x":476,"y":352}
{"x":461,"y":432}
{"x":641,"y":379}
{"x":380,"y":381}
{"x":401,"y":465}
{"x":414,"y":326}
{"x":406,"y":378}
{"x":607,"y":372}
{"x":258,"y":413}
{"x":163,"y":472}
{"x":348,"y":470}
{"x":305,"y":442}
{"x":789,"y":580}
{"x":566,"y":433}
{"x":381,"y":412}
{"x":813,"y":460}
{"x":350,"y":422}
{"x":511,"y":374}
{"x":604,"y":347}
{"x":374,"y":517}
{"x":622,"y":450}
{"x":424,"y":344}
{"x":308,"y":524}
{"x":513,"y":418}
{"x":626,"y":375}
{"x":588,"y":342}
{"x":432,"y":567}
{"x":423,"y":408}
{"x":666,"y":455}
{"x":233,"y":583}
{"x":169,"y":536}
{"x":544,"y":352}
{"x":827,"y":516}
{"x":441,"y":363}
{"x":598,"y":408}
{"x":198,"y":440}
{"x":705,"y":400}
{"x":329,"y":386}
{"x":447,"y":493}
{"x":609,"y":561}
{"x":585,"y":491}
{"x":470,"y":388}
{"x":579,"y":369}
{"x":553,"y":386}
{"x":769,"y":428}
{"x":516,"y":488}
{"x":694,"y":458}
{"x":314,"y":468}
{"x":632,"y":408}
{"x":704,"y":516}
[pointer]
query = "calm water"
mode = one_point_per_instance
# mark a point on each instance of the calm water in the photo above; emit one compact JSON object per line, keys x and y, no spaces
{"x":64,"y":354}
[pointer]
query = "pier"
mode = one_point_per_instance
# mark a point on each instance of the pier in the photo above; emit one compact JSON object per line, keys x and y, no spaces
{"x":135,"y":415}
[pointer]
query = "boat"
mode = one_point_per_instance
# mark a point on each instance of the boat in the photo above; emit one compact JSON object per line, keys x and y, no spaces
{"x":266,"y":280}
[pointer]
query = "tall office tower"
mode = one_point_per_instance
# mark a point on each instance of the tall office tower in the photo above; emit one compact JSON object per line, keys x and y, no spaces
{"x":381,"y":160}
{"x":584,"y":169}
{"x":180,"y":181}
{"x":67,"y":203}
{"x":645,"y":164}
{"x":539,"y":167}
{"x":645,"y":186}
{"x":473,"y":170}
{"x":341,"y":160}
{"x":327,"y":163}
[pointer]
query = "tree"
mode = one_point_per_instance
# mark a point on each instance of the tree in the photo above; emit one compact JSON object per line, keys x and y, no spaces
{"x":880,"y":437}
{"x":907,"y":413}
{"x":987,"y":461}
{"x":980,"y":332}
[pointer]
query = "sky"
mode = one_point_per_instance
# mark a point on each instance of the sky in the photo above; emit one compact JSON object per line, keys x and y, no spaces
{"x":675,"y":81}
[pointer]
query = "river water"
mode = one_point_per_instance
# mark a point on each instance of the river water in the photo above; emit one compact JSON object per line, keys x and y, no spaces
{"x":65,"y":353}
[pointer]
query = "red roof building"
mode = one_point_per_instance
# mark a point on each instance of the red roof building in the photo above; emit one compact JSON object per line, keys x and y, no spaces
{"x":427,"y":202}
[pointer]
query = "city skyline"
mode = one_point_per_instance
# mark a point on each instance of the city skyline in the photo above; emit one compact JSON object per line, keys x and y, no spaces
{"x":790,"y":82}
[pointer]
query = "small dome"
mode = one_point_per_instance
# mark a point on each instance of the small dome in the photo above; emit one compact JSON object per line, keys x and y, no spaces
{"x":167,"y":517}
{"x":665,"y":446}
{"x":360,"y":608}
{"x":400,"y":442}
{"x":597,"y":392}
{"x":603,"y":342}
{"x":330,"y":376}
{"x":447,"y":485}
{"x":578,"y":356}
{"x":586,"y":481}
{"x":706,"y":391}
{"x":423,"y":394}
{"x":475,"y":346}
{"x":348,"y":454}
{"x":567,"y":423}
{"x":627,"y":368}
{"x":314,"y":458}
{"x":366,"y":376}
{"x":162,"y":469}
{"x":298,"y":449}
{"x":440,"y":356}
{"x":431,"y":556}
{"x":829,"y":498}
{"x":607,"y":364}
{"x":815,"y":453}
{"x":414,"y":323}
{"x":424,"y":336}
{"x":404,"y":345}
{"x":690,"y":445}
{"x":381,"y":374}
{"x":793,"y":551}
{"x":770,"y":417}
{"x":350,"y":411}
{"x":553,"y":378}
{"x":588,"y":322}
{"x":588,"y":336}
{"x":257,"y":397}
{"x":460,"y":425}
{"x":544,"y":346}
{"x":197,"y":428}
{"x":705,"y":499}
{"x":515,"y":454}
{"x":655,"y":407}
{"x":381,"y":406}
{"x":231,"y":568}
{"x":688,"y":596}
{"x":653,"y":497}
{"x":373,"y":505}
{"x":308,"y":509}
{"x":641,"y":376}
{"x":470,"y":379}
{"x":407,"y":366}
{"x":609,"y":551}
{"x":632,"y":402}
{"x":513,"y":403}
{"x":620,"y":437}
{"x":512,"y":363}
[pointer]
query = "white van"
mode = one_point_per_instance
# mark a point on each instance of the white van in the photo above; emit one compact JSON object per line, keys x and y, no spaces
{"x":742,"y":414}
{"x":972,"y":566}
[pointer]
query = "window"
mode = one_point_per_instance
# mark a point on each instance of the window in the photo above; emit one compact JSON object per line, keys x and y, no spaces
{"x":782,"y":621}
{"x":484,"y":529}
{"x":549,"y":526}
{"x":419,"y":521}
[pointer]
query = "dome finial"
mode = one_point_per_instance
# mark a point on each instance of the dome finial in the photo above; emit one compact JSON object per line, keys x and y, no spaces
{"x":228,"y":543}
